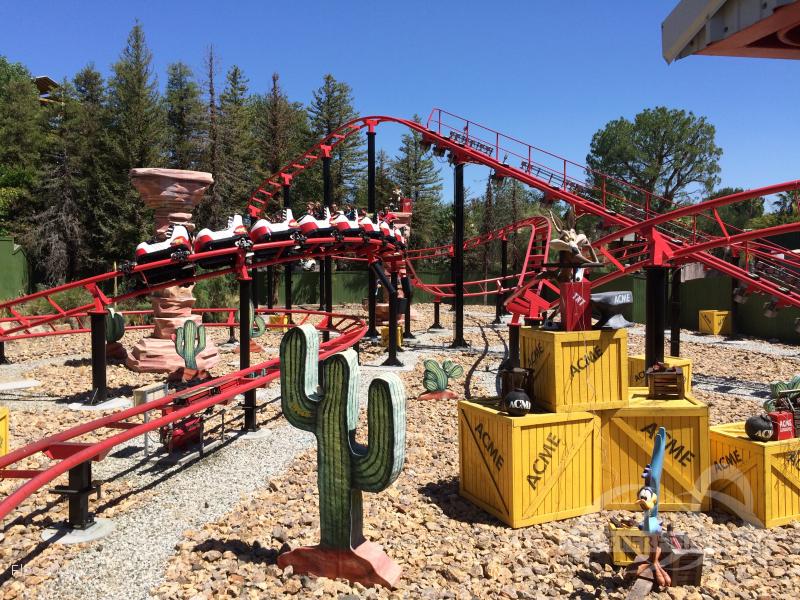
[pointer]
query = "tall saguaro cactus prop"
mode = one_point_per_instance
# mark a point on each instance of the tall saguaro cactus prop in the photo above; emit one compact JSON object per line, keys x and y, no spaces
{"x":190,"y":340}
{"x":345,"y":468}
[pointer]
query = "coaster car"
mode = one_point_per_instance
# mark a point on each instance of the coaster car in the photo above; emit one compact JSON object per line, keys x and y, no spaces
{"x":208,"y":240}
{"x":368,"y":228}
{"x":281,"y":230}
{"x":177,"y":246}
{"x":316,"y":224}
{"x":346,"y":223}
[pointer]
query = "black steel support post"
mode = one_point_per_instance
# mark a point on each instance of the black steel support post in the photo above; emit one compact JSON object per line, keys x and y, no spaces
{"x":3,"y":359}
{"x":675,"y":313}
{"x":245,"y":293}
{"x":372,"y":331}
{"x":392,"y":360}
{"x":77,"y":491}
{"x":436,"y":324}
{"x":99,"y":385}
{"x":656,"y":295}
{"x":287,"y":290}
{"x":270,"y":286}
{"x":513,"y":347}
{"x":501,"y":295}
{"x":327,"y":264}
{"x":407,"y":335}
{"x":321,"y":284}
{"x":458,"y":256}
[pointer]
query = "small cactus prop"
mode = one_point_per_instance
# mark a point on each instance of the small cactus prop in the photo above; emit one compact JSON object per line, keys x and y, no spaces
{"x":115,"y":329}
{"x":257,"y":328}
{"x":776,"y":387}
{"x":437,"y":377}
{"x":344,"y":467}
{"x":190,"y":340}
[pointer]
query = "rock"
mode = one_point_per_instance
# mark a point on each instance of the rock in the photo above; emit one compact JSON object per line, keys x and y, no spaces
{"x":292,"y":586}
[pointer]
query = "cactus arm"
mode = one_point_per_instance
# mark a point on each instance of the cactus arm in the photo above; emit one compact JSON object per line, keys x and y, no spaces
{"x":377,"y":465}
{"x":337,"y":496}
{"x":115,"y":326}
{"x":201,"y":340}
{"x":179,"y":343}
{"x":299,"y":353}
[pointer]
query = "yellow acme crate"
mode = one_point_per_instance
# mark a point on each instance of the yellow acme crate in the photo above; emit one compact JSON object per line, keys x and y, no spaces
{"x":531,"y":469}
{"x":385,"y":336}
{"x":279,"y":320}
{"x":3,"y":431}
{"x":636,"y":370}
{"x":759,"y":482}
{"x":576,"y":370}
{"x":627,"y":446}
{"x":716,"y":322}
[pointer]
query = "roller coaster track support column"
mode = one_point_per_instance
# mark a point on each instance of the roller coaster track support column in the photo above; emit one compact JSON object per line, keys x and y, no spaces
{"x":501,"y":296}
{"x":287,"y":290}
{"x":392,"y":360}
{"x":656,"y":295}
{"x":327,"y":281}
{"x":77,"y":491}
{"x":407,"y":335}
{"x":675,"y":313}
{"x":372,"y":331}
{"x":245,"y":327}
{"x":99,"y":385}
{"x":437,"y":303}
{"x":3,"y":359}
{"x":270,"y":286}
{"x":512,"y":362}
{"x":458,"y":256}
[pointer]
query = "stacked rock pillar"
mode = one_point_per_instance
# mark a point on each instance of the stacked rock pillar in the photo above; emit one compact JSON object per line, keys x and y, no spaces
{"x":172,"y":194}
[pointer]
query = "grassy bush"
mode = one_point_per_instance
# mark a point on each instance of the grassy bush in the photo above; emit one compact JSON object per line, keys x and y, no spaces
{"x":217,"y":292}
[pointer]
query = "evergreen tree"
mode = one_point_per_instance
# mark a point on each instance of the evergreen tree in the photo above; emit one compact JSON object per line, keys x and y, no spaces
{"x":236,"y":177}
{"x":56,"y":234}
{"x":330,"y":108}
{"x":418,"y":178}
{"x":138,"y":126}
{"x":21,"y":140}
{"x":211,"y":209}
{"x":184,"y":118}
{"x":385,"y":185}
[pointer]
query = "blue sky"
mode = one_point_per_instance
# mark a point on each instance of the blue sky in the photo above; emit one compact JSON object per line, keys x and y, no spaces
{"x":548,"y":73}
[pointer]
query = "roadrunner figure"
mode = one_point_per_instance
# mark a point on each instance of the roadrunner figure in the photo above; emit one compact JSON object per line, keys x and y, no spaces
{"x":648,"y":501}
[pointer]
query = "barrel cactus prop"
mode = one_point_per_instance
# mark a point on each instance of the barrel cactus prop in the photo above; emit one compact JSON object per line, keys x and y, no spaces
{"x":345,"y":468}
{"x":190,"y":340}
{"x":115,"y":329}
{"x":777,"y":387}
{"x":437,"y":377}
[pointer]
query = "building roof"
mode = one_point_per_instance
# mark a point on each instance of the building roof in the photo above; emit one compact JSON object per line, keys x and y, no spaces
{"x":751,"y":28}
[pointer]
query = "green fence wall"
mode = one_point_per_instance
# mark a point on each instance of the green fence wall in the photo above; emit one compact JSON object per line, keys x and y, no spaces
{"x":14,"y":280}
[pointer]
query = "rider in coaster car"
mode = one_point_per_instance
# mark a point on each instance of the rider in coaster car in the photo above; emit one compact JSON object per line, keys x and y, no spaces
{"x":367,"y":226}
{"x":385,"y":227}
{"x":317,"y":221}
{"x":346,"y":222}
{"x":225,"y":238}
{"x":280,"y":228}
{"x":178,"y":238}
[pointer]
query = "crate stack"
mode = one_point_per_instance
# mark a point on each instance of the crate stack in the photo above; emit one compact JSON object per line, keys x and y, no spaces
{"x":586,"y":448}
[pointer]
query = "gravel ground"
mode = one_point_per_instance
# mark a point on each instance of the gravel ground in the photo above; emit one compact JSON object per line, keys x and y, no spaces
{"x":221,"y":520}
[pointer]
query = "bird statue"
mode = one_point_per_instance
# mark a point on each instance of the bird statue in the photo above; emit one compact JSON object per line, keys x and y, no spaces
{"x":648,"y":502}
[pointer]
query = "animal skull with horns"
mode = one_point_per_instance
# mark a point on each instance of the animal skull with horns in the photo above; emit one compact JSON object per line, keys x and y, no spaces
{"x":571,"y":247}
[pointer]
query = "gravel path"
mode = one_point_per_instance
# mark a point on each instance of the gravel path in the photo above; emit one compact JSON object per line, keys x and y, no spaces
{"x":751,"y":345}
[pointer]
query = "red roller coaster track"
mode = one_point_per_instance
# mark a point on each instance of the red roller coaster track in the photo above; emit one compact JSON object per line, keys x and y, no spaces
{"x":661,"y":237}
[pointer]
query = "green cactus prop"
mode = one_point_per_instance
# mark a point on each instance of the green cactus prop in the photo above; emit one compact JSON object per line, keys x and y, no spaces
{"x":115,"y":326}
{"x":257,"y":324}
{"x":115,"y":329}
{"x":776,"y":387}
{"x":190,"y":340}
{"x":345,"y":468}
{"x":436,"y":379}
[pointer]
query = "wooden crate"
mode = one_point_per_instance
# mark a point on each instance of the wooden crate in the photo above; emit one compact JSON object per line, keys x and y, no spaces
{"x":385,"y":336}
{"x":716,"y":322}
{"x":531,"y":469}
{"x":665,"y":385}
{"x":757,"y":481}
{"x":279,"y":320}
{"x":626,"y":544}
{"x":636,"y":370}
{"x":3,"y":431}
{"x":627,"y":446}
{"x":576,"y":370}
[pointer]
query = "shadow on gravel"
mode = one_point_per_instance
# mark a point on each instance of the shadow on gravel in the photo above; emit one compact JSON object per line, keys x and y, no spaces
{"x":444,"y":493}
{"x":253,"y":553}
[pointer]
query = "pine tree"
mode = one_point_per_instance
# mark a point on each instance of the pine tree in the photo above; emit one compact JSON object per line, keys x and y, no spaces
{"x":385,"y":185}
{"x":330,"y":108}
{"x":211,"y":209}
{"x":185,"y":127}
{"x":57,"y":235}
{"x":21,"y":141}
{"x":237,"y":170}
{"x":138,"y":125}
{"x":418,"y":178}
{"x":95,"y":190}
